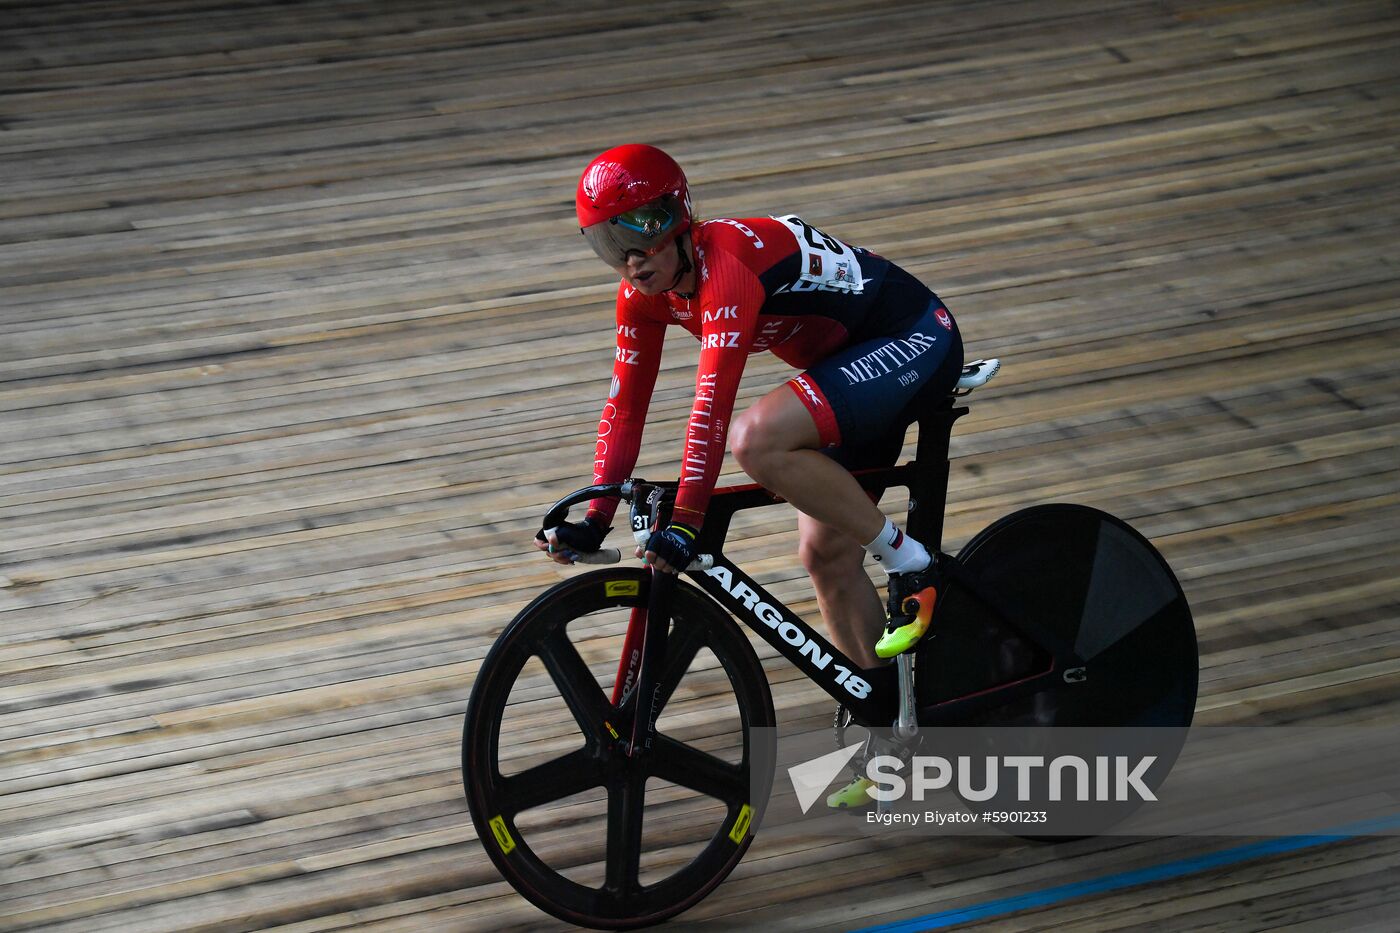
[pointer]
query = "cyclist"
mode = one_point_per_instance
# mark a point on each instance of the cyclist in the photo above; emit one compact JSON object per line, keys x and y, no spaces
{"x":874,"y":344}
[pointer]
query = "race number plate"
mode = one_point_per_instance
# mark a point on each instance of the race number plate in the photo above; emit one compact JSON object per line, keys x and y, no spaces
{"x":827,"y":263}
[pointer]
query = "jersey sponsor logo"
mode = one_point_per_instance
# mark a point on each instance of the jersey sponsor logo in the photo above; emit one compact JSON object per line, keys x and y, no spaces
{"x":771,"y":334}
{"x":703,"y":435}
{"x":888,"y":358}
{"x":600,"y":460}
{"x":626,"y":356}
{"x":726,"y":313}
{"x":600,"y":450}
{"x":605,"y":422}
{"x":744,"y":229}
{"x":944,"y":318}
{"x":615,"y":388}
{"x":721,"y":341}
{"x":809,"y":391}
{"x":624,"y":331}
{"x":803,"y":285}
{"x":628,"y":292}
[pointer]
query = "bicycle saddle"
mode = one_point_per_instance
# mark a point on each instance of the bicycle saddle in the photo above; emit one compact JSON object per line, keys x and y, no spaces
{"x":976,"y":373}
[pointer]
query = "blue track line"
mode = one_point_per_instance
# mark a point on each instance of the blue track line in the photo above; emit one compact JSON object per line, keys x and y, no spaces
{"x":1128,"y":879}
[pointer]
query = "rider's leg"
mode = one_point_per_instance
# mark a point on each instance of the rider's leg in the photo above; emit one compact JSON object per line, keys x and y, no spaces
{"x":853,"y":402}
{"x":848,"y":601}
{"x":776,"y":442}
{"x":855,"y":405}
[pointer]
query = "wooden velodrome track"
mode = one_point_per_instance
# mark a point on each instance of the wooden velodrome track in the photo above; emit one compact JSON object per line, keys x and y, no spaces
{"x":298,"y":338}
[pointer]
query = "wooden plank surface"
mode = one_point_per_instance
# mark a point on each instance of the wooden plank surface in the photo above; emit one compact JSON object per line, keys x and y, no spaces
{"x":297,"y":339}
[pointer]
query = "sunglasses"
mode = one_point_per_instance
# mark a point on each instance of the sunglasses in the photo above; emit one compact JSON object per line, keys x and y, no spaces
{"x":644,"y":229}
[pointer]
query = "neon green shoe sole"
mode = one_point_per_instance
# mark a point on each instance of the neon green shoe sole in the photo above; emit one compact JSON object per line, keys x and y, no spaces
{"x":851,"y":796}
{"x":892,"y":644}
{"x":920,"y":607}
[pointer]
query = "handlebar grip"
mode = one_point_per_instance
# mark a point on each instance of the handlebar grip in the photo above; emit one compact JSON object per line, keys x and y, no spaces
{"x":611,"y":555}
{"x":604,"y":555}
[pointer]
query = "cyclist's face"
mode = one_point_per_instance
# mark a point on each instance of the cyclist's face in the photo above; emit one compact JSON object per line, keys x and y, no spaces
{"x":651,"y":275}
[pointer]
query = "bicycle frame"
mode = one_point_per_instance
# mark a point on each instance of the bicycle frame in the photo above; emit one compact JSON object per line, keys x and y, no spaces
{"x":871,"y":695}
{"x":1009,"y":611}
{"x":926,"y":478}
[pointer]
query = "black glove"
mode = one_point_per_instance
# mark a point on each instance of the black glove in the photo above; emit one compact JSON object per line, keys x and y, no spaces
{"x":575,"y":538}
{"x":675,"y":544}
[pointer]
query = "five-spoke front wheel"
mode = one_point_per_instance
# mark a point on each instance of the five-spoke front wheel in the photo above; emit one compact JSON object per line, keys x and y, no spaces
{"x":580,"y":827}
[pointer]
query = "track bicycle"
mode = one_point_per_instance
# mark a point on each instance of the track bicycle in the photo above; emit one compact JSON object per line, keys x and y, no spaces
{"x":1057,"y":615}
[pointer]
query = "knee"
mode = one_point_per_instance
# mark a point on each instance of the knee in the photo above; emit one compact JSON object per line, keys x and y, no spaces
{"x":747,"y":443}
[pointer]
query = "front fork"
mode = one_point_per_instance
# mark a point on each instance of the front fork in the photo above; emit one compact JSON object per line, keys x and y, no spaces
{"x":631,"y":656}
{"x":639,"y":670}
{"x":644,"y":648}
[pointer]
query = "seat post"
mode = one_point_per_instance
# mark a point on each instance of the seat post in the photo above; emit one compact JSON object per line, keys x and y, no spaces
{"x":928,"y":488}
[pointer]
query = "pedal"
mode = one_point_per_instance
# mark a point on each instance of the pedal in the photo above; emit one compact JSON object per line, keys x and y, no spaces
{"x":852,"y":796}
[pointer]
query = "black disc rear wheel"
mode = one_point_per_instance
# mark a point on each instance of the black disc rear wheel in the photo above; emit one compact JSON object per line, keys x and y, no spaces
{"x":1087,"y":582}
{"x":1095,"y":584}
{"x":585,"y":832}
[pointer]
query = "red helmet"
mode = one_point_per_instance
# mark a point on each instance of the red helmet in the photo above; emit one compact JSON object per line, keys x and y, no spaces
{"x":632,"y":197}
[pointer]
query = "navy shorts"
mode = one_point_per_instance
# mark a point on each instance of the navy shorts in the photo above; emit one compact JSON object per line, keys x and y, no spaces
{"x":864,"y":396}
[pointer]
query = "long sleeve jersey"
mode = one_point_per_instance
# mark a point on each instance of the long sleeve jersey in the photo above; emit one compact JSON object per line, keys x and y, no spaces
{"x":774,"y":284}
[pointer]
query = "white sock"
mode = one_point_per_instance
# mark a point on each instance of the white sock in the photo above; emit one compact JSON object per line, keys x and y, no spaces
{"x":896,"y":552}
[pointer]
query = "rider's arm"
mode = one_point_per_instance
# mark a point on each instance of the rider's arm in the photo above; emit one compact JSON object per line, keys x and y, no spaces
{"x":733,"y":297}
{"x":635,"y":364}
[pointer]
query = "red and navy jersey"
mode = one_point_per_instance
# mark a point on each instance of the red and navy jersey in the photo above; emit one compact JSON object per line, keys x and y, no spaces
{"x":764,"y":283}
